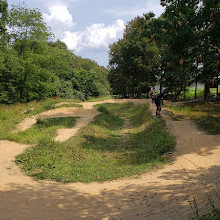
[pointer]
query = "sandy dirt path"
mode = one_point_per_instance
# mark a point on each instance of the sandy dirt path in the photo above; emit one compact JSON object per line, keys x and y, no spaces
{"x":161,"y":194}
{"x":86,"y":115}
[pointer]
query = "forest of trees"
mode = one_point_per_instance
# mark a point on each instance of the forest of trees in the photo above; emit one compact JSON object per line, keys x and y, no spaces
{"x":33,"y":66}
{"x":176,"y":50}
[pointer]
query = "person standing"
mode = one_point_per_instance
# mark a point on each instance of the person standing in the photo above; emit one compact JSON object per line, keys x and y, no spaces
{"x":158,"y":102}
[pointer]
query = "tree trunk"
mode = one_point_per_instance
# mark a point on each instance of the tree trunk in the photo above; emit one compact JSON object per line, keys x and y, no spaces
{"x":196,"y":90}
{"x":161,"y":88}
{"x":124,"y":91}
{"x":206,"y":92}
{"x":177,"y":93}
{"x":217,"y":95}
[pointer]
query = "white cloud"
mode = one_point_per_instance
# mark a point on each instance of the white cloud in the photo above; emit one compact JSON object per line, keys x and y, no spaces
{"x":139,"y":9}
{"x":95,"y":36}
{"x":59,"y":14}
{"x":73,"y":40}
{"x":100,"y":36}
{"x":59,"y":20}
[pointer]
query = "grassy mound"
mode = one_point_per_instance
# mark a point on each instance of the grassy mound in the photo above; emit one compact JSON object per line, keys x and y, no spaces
{"x":104,"y":150}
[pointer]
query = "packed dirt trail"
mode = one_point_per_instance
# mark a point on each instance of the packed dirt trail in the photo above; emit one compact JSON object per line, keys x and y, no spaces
{"x":168,"y":193}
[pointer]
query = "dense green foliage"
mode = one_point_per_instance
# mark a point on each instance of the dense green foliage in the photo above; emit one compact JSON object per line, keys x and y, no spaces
{"x":177,"y":49}
{"x":34,"y":67}
{"x":133,"y":59}
{"x":103,"y":150}
{"x":3,"y":16}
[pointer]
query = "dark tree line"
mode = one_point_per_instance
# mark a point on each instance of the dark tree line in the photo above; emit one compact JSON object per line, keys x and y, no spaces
{"x":33,"y":66}
{"x":179,"y":48}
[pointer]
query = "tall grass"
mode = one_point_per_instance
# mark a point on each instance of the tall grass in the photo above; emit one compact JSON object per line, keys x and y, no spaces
{"x":43,"y":129}
{"x":214,"y":215}
{"x":206,"y":116}
{"x":103,"y":150}
{"x":11,"y":115}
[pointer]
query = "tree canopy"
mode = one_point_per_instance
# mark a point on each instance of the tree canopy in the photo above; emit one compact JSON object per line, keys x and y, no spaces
{"x":133,"y":59}
{"x":177,"y":49}
{"x":33,"y":66}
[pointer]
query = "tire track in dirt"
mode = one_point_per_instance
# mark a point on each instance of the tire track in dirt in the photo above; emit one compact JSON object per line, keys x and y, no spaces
{"x":164,"y":193}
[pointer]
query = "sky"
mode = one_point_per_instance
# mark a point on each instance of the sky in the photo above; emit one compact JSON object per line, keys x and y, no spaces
{"x":89,"y":26}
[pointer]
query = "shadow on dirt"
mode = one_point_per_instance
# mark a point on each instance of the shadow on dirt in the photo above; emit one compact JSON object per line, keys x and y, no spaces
{"x":189,"y":195}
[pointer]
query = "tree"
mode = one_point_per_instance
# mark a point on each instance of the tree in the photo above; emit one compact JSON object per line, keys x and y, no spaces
{"x":209,"y":41}
{"x":3,"y":16}
{"x":192,"y":31}
{"x":133,"y":59}
{"x":33,"y":67}
{"x":3,"y":21}
{"x":10,"y":76}
{"x":76,"y":77}
{"x":177,"y":42}
{"x":27,"y":34}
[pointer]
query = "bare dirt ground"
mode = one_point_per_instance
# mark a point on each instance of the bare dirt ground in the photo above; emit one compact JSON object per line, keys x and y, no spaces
{"x":167,"y":193}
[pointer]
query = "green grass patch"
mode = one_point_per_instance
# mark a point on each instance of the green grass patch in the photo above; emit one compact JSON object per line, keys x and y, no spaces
{"x":215,"y":215}
{"x":137,"y":114}
{"x":209,"y":123}
{"x":101,"y":98}
{"x":69,"y":105}
{"x":11,"y":115}
{"x":149,"y":144}
{"x":102,"y":151}
{"x":190,"y":93}
{"x":36,"y":107}
{"x":43,"y":129}
{"x":108,"y":120}
{"x":67,"y":122}
{"x":206,"y":116}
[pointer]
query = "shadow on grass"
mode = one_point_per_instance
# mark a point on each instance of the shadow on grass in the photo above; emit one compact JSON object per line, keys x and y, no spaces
{"x":135,"y":148}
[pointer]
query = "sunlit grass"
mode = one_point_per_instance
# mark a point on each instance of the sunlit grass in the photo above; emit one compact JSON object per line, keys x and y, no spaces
{"x":11,"y":115}
{"x":190,"y":93}
{"x":102,"y":150}
{"x":207,"y":116}
{"x":101,"y":98}
{"x":43,"y":129}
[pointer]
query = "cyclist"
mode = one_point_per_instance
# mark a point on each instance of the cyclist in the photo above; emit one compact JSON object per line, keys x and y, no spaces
{"x":158,"y":102}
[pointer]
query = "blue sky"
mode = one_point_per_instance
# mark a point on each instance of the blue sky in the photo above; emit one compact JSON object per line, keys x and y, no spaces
{"x":89,"y":26}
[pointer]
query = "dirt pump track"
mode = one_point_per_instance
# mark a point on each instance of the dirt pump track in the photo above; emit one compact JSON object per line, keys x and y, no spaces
{"x":167,"y":193}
